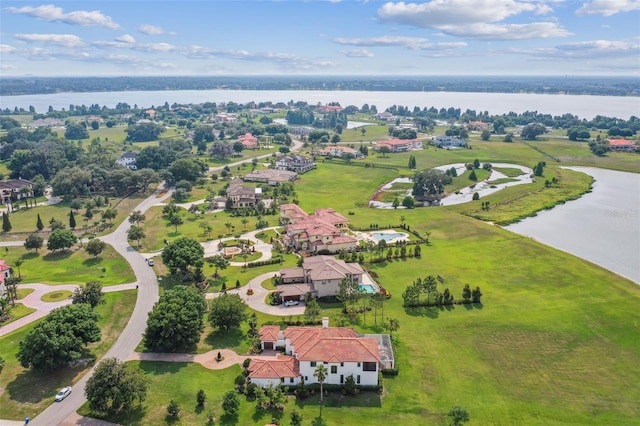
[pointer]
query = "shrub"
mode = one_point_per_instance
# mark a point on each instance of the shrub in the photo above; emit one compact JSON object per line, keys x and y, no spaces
{"x":173,"y":410}
{"x":201,"y":397}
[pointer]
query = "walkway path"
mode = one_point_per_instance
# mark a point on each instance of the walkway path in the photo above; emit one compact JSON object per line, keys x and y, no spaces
{"x":34,"y":300}
{"x":257,"y":301}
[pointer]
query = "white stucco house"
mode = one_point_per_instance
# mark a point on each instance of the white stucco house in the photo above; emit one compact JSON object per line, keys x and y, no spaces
{"x":128,"y":159}
{"x":342,"y":351}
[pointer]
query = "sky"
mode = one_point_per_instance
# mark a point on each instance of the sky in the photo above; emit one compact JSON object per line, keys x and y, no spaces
{"x":333,"y":37}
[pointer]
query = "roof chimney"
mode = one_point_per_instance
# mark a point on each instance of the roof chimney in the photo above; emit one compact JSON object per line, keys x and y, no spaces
{"x":325,"y":322}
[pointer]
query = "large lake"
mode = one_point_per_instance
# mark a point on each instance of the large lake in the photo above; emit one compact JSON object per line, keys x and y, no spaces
{"x":583,"y":106}
{"x":602,"y":227}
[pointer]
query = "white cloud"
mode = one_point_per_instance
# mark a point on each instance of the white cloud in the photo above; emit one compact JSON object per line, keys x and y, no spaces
{"x":155,"y":47}
{"x":416,"y":43}
{"x":66,"y":40}
{"x":590,"y":50}
{"x":151,"y":29}
{"x":359,"y":53}
{"x":473,"y":18}
{"x":5,"y":48}
{"x":608,"y":7}
{"x":126,"y":38}
{"x":7,"y":67}
{"x":52,"y":13}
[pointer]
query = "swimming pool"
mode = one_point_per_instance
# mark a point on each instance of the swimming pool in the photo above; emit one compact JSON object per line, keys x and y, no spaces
{"x":387,"y":236}
{"x":367,"y":288}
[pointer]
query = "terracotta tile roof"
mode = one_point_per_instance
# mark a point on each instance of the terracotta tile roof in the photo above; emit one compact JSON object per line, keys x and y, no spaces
{"x":330,"y":215}
{"x":328,"y":267}
{"x":300,"y":336}
{"x":340,"y":349}
{"x":391,"y":142}
{"x":269,"y":333}
{"x":620,"y":142}
{"x":282,"y":366}
{"x":289,"y":273}
{"x":344,"y":239}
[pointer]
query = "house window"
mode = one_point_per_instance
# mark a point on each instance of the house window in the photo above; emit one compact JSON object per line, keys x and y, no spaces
{"x":358,"y":364}
{"x":341,"y":379}
{"x":369,"y":366}
{"x":334,"y":369}
{"x":291,"y":380}
{"x":358,"y":379}
{"x":313,"y":363}
{"x":281,"y":379}
{"x":306,"y":378}
{"x":342,"y":364}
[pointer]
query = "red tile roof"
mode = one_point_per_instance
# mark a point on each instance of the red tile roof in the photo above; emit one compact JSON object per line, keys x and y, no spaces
{"x":267,"y":368}
{"x":341,"y":349}
{"x":269,"y":333}
{"x":620,"y":142}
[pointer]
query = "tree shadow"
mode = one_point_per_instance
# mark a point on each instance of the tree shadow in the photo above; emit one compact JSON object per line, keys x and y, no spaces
{"x":225,"y":339}
{"x":92,"y":261}
{"x":30,"y":255}
{"x":57,"y":255}
{"x":478,"y":305}
{"x":133,"y":416}
{"x":32,"y":386}
{"x":423,"y":311}
{"x":229,"y":419}
{"x":199,"y":408}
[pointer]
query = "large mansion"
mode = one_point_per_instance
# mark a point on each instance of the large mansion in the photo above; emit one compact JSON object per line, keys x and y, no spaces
{"x":342,"y":351}
{"x":321,"y":231}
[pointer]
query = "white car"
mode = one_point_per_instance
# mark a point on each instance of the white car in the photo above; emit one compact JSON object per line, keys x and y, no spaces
{"x":291,"y":303}
{"x":64,"y":392}
{"x":150,"y":262}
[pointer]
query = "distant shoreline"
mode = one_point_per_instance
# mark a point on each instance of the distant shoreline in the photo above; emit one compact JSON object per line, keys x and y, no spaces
{"x":556,"y":85}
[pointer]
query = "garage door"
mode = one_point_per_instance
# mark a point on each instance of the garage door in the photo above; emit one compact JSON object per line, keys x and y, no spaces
{"x":268,"y":345}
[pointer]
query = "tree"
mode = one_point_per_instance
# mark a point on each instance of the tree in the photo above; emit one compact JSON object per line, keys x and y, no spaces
{"x":531,"y":131}
{"x":476,"y":196}
{"x":75,"y":131}
{"x":396,"y":203}
{"x":429,"y":184}
{"x":476,"y":294}
{"x":33,"y":242}
{"x":109,"y":214}
{"x":320,"y":373}
{"x":350,"y":387}
{"x":136,"y":217}
{"x":408,"y":202}
{"x":176,"y":221}
{"x":182,"y":254}
{"x":296,"y":418}
{"x":143,"y":132}
{"x":578,"y":133}
{"x":227,"y":311}
{"x":115,"y":386}
{"x":6,"y":224}
{"x":466,"y":293}
{"x":458,"y":415}
{"x":201,"y":397}
{"x":486,"y":135}
{"x":508,"y":137}
{"x":220,"y":150}
{"x":90,"y":293}
{"x":176,"y":321}
{"x":39,"y":224}
{"x":217,"y":262}
{"x":173,"y":409}
{"x":72,"y":220}
{"x":384,"y":150}
{"x":347,"y":291}
{"x":206,"y":229}
{"x":61,"y":239}
{"x":2,"y":364}
{"x":95,"y":247}
{"x":231,"y":403}
{"x":18,"y":263}
{"x":392,"y":325}
{"x":60,"y":338}
{"x":136,"y":233}
{"x":312,"y":310}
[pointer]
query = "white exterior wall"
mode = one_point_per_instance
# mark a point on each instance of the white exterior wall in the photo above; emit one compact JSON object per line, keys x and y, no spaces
{"x":265,"y":382}
{"x":367,"y":378}
{"x":326,"y":287}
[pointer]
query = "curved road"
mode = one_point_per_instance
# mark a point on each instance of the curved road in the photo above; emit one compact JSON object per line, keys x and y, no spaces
{"x":132,"y":334}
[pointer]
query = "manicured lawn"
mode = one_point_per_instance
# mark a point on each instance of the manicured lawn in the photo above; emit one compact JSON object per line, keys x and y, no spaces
{"x":74,"y":266}
{"x":24,"y":292}
{"x":56,"y":296}
{"x":18,"y":311}
{"x":27,"y":393}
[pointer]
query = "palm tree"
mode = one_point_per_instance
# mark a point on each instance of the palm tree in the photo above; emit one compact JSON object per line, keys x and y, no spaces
{"x":25,"y":191}
{"x":392,"y":325}
{"x":244,"y":221}
{"x":18,"y":264}
{"x":321,"y":374}
{"x":228,"y":225}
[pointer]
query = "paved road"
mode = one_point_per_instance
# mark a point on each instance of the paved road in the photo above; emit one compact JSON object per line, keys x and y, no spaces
{"x":33,"y":300}
{"x":126,"y":344}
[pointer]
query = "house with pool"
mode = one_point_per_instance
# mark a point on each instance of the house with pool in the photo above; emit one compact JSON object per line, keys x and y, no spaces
{"x":342,"y":351}
{"x":320,"y":276}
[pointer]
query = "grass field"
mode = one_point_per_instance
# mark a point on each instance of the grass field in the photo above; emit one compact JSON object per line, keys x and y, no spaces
{"x":56,"y":296}
{"x":74,"y":266}
{"x":18,"y":311}
{"x":26,"y":393}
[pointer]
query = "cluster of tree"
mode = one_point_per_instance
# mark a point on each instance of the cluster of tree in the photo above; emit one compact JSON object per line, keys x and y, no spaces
{"x":458,"y":131}
{"x":533,"y":130}
{"x":144,"y":132}
{"x":429,"y":184}
{"x":115,"y":387}
{"x":402,"y":133}
{"x":599,"y":146}
{"x":428,"y":287}
{"x":60,"y":338}
{"x":578,"y":133}
{"x":183,"y":254}
{"x":300,"y":117}
{"x":176,"y":321}
{"x":538,"y":169}
{"x":331,"y":120}
{"x":227,"y":311}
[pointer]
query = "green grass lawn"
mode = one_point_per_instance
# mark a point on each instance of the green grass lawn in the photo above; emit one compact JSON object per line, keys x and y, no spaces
{"x":74,"y":266}
{"x":27,"y":393}
{"x":18,"y":311}
{"x":24,"y":292}
{"x":56,"y":296}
